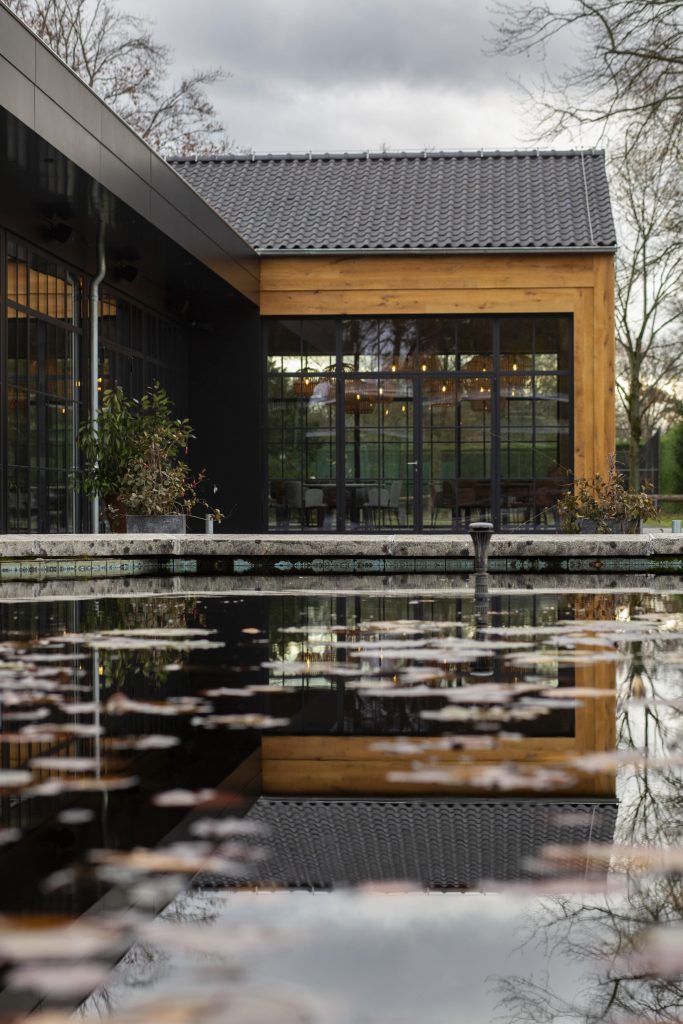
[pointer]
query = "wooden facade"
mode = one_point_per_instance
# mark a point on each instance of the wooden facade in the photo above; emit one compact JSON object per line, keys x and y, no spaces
{"x":580,"y":284}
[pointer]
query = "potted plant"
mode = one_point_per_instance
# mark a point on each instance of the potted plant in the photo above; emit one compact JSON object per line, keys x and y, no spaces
{"x":133,"y":460}
{"x":604,"y":505}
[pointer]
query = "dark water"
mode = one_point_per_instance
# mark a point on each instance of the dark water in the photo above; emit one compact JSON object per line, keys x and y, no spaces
{"x":371,"y":806}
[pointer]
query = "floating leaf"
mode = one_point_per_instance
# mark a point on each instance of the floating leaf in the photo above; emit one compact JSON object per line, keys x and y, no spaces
{"x":107,"y":783}
{"x":247,"y":721}
{"x":151,"y":742}
{"x":183,"y":797}
{"x":67,"y":764}
{"x":11,"y":778}
{"x":75,"y":816}
{"x":62,"y":981}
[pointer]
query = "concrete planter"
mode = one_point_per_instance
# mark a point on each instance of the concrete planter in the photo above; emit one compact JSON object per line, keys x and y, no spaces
{"x":613,"y":526}
{"x":155,"y":524}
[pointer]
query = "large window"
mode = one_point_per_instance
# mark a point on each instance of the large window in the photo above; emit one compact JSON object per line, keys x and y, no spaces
{"x":43,"y":315}
{"x":44,"y":376}
{"x":420,"y":423}
{"x":137,"y":348}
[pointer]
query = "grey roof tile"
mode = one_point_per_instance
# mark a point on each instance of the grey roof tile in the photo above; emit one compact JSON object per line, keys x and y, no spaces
{"x":401,"y":201}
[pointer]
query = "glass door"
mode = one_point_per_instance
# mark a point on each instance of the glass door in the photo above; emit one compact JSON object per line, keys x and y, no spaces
{"x":456,"y":471}
{"x":458,"y":425}
{"x":379,"y":467}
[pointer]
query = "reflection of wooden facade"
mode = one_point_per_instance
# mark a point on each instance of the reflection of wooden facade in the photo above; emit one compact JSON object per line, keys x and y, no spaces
{"x":581,"y":285}
{"x":348,"y":765}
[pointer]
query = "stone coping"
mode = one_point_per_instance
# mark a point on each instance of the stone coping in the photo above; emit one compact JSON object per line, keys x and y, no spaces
{"x":503,"y":545}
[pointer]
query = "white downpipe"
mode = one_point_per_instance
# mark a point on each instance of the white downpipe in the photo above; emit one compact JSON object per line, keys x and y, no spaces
{"x":94,"y":359}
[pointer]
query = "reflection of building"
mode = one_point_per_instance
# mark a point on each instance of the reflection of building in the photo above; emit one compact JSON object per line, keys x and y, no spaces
{"x":365,"y":715}
{"x":437,"y":843}
{"x":422,"y":328}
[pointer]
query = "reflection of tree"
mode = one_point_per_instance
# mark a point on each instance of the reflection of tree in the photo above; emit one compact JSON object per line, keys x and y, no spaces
{"x":152,"y":613}
{"x":599,"y":934}
{"x":606,"y":933}
{"x":145,"y":964}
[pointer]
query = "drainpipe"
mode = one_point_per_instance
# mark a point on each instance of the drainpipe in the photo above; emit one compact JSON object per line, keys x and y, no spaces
{"x":94,"y":358}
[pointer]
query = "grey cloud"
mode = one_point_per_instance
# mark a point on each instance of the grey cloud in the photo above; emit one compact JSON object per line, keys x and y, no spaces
{"x":323,"y":42}
{"x":350,"y":74}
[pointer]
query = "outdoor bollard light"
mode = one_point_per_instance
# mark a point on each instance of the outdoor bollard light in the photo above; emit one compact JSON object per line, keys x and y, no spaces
{"x":208,"y":523}
{"x":481,"y":538}
{"x":675,"y":526}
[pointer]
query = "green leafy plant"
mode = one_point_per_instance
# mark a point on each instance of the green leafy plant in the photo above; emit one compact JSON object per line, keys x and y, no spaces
{"x":133,"y":458}
{"x":605,"y":502}
{"x":107,"y":450}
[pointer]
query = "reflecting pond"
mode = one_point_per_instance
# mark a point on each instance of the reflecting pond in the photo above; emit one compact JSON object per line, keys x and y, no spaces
{"x":388,"y":804}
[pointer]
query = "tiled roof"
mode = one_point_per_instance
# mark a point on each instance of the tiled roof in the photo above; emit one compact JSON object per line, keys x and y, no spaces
{"x":317,"y":843}
{"x":402,"y":201}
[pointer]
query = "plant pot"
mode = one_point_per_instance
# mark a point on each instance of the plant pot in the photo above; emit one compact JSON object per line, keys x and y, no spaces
{"x":115,"y":511}
{"x":155,"y":524}
{"x":609,"y":525}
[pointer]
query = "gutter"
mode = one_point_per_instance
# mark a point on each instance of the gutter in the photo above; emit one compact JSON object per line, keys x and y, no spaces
{"x":94,"y":358}
{"x":500,"y":251}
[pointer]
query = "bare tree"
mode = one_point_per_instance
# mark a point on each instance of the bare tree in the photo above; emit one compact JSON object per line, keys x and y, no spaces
{"x":115,"y":53}
{"x":628,"y":64}
{"x":647,"y":189}
{"x":624,"y":81}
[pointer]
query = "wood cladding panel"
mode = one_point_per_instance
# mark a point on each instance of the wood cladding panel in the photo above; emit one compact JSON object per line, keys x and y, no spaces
{"x":418,"y":302}
{"x":353,"y":748}
{"x":584,"y":405}
{"x":372,"y":778}
{"x":358,"y":273}
{"x":603,"y":362}
{"x":325,"y":765}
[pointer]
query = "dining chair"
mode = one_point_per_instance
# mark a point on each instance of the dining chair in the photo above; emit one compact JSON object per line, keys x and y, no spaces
{"x":394,"y":502}
{"x":378,"y":501}
{"x":314,"y":501}
{"x":305,"y":501}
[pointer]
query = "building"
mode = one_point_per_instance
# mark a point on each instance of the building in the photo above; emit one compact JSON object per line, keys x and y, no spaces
{"x":376,"y":341}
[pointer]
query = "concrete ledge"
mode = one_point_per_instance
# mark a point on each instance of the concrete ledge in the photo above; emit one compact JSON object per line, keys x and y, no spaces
{"x":290,"y":545}
{"x":27,"y":559}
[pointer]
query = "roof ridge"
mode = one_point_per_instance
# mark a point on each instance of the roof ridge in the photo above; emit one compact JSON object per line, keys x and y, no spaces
{"x":419,"y":154}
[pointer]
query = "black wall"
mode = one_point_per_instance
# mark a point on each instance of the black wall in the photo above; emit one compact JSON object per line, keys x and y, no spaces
{"x":228,"y":413}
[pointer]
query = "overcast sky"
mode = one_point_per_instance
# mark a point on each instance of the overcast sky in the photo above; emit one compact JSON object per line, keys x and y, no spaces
{"x":350,"y":74}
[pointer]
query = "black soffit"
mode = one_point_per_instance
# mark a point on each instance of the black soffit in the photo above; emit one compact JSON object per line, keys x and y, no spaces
{"x":426,"y":202}
{"x":318,"y":843}
{"x":48,"y":200}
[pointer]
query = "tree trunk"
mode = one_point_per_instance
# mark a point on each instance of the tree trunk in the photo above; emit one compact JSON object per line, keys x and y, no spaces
{"x":634,"y":437}
{"x":635,"y":422}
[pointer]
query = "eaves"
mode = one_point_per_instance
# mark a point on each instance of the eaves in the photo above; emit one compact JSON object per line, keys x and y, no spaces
{"x":453,"y":251}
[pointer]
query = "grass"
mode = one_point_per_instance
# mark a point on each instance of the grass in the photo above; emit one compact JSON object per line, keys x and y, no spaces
{"x":669,"y":510}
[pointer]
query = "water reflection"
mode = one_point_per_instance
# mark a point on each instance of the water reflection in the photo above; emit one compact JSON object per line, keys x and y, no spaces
{"x":521,"y":751}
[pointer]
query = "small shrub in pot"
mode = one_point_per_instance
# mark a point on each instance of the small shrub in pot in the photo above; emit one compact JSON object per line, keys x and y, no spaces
{"x":604,"y":505}
{"x":134,"y":461}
